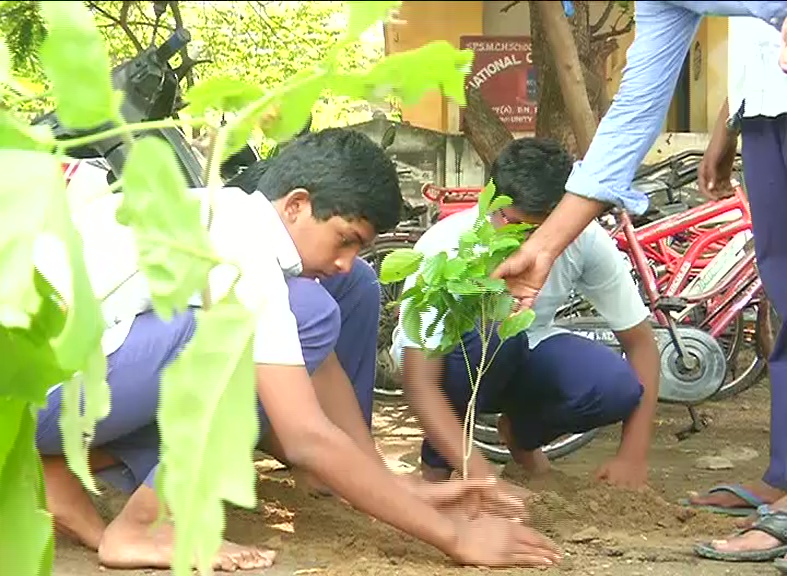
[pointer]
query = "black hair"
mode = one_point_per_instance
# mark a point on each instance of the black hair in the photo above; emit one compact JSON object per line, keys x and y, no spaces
{"x":248,"y":179}
{"x":345,"y":173}
{"x":533,"y":172}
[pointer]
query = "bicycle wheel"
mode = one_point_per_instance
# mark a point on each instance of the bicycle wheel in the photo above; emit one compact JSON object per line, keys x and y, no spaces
{"x":387,"y":385}
{"x":742,"y":343}
{"x":486,"y":439}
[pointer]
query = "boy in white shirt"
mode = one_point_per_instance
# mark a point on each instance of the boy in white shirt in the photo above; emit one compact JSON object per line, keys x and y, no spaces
{"x":324,"y":197}
{"x":544,"y":381}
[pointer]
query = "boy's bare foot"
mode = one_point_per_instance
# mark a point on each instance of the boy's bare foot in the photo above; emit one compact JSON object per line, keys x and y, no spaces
{"x":68,"y":502}
{"x":534,"y":462}
{"x":134,"y":540}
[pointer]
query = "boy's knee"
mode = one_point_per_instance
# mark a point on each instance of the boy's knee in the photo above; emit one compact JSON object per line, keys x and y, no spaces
{"x":318,"y":319}
{"x":364,"y":272}
{"x":360,"y":284}
{"x":612,"y":397}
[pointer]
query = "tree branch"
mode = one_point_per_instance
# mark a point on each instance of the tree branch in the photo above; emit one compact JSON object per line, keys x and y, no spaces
{"x":615,"y":31}
{"x":184,"y":52}
{"x":603,"y":18}
{"x":510,"y":5}
{"x":122,"y":21}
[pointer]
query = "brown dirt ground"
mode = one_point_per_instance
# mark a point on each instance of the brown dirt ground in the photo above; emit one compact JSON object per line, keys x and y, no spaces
{"x":636,"y":534}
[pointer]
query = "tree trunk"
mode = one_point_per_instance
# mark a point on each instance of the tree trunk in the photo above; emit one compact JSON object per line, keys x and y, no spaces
{"x":572,"y":119}
{"x":483,"y":129}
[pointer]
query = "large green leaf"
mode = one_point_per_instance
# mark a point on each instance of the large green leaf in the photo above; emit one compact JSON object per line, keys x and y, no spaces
{"x":5,"y":62}
{"x":208,"y":423}
{"x":11,"y":412}
{"x":30,"y":365}
{"x":436,"y":66}
{"x":293,"y":105}
{"x":33,"y":205}
{"x":85,"y":401}
{"x":175,"y":252}
{"x":26,"y":531}
{"x":29,"y":181}
{"x":84,"y":322}
{"x":221,"y":93}
{"x":17,"y":135}
{"x":76,"y":61}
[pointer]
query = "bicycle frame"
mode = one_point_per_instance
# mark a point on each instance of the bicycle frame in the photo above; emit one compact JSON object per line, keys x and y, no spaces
{"x":653,"y":238}
{"x":727,"y":297}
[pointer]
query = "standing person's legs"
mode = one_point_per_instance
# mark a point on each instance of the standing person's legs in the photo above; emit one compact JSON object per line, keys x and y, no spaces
{"x":765,"y":170}
{"x":765,"y":174}
{"x":358,"y":296}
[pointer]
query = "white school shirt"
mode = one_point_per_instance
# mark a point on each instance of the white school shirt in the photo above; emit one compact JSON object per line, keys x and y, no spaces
{"x":753,"y":69}
{"x":245,"y":229}
{"x":591,"y":264}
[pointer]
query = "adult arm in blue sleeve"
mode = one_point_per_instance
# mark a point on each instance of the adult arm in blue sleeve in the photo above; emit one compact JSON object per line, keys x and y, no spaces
{"x":664,"y":31}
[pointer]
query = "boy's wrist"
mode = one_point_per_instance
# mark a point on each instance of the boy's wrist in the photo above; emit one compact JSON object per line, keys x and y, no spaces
{"x":446,"y":536}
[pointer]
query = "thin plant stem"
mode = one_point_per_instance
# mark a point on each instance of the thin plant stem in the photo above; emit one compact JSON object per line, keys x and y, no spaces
{"x":469,"y":424}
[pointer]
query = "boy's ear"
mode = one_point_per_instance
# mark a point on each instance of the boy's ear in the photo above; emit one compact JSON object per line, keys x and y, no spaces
{"x":296,"y":203}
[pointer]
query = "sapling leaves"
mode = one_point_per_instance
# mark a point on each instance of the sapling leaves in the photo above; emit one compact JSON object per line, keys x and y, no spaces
{"x":500,"y":202}
{"x":501,"y":308}
{"x":399,"y":264}
{"x":458,"y":291}
{"x":485,"y":198}
{"x":515,"y":324}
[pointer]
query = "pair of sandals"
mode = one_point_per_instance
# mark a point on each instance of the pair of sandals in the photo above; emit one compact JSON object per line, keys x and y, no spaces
{"x":767,"y":520}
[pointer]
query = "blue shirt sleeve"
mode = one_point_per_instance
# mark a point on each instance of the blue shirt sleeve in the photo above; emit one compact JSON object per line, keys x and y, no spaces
{"x":664,"y":31}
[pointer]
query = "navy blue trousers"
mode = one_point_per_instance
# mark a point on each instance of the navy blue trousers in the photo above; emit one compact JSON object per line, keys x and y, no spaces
{"x":566,"y":384}
{"x":765,"y":174}
{"x":340,"y":314}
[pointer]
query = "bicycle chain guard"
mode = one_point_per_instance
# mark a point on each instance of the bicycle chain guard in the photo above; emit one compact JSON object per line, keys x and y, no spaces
{"x":690,"y":387}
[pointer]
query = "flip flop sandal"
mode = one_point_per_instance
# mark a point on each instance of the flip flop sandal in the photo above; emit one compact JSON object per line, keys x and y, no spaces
{"x":752,"y":500}
{"x":773,"y":523}
{"x":781,"y":565}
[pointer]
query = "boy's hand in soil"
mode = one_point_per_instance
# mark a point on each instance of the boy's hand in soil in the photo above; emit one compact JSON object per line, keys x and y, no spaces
{"x":468,"y":498}
{"x":495,"y":542}
{"x":624,"y":473}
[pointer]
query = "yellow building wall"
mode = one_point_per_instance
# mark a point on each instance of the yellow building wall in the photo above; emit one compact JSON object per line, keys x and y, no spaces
{"x":425,"y":21}
{"x":420,"y":23}
{"x":716,"y":88}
